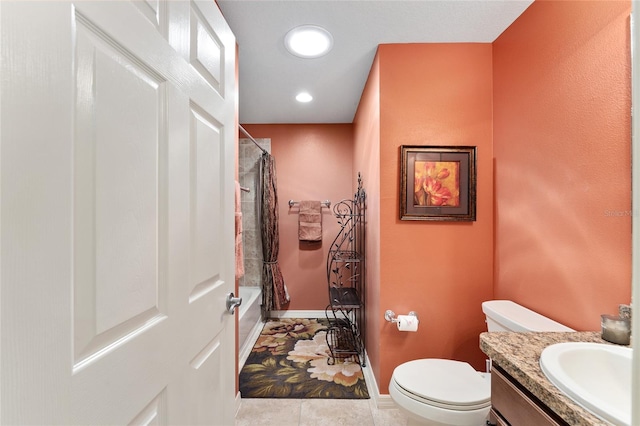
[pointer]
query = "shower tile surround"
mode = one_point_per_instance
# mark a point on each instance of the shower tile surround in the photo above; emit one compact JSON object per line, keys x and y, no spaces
{"x":249,"y":177}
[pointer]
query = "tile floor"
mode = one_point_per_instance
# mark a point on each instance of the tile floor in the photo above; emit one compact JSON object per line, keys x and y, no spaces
{"x":316,"y":412}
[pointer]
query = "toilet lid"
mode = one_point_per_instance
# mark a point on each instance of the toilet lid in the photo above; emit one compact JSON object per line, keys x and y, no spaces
{"x":444,"y":381}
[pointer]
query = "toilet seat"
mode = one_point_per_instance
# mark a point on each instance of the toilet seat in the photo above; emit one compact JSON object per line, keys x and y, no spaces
{"x":443,"y":383}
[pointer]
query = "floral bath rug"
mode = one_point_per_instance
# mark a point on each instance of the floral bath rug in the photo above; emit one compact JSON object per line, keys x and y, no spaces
{"x":289,"y":360}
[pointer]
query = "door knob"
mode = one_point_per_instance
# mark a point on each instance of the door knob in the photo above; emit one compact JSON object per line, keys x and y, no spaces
{"x":233,"y":302}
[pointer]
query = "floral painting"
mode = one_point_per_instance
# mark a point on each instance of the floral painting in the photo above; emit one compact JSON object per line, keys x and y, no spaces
{"x":438,"y":183}
{"x":289,"y":360}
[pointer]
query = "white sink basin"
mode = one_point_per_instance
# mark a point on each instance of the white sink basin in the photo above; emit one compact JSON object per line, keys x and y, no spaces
{"x":596,"y":376}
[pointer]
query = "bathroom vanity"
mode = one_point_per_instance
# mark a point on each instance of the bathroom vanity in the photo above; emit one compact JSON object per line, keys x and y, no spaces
{"x":520,"y":392}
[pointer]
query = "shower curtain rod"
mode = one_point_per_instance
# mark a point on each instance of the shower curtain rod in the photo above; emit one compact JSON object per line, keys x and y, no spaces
{"x":251,"y":137}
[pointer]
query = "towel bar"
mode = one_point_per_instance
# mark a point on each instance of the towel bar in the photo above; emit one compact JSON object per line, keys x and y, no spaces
{"x":325,"y":203}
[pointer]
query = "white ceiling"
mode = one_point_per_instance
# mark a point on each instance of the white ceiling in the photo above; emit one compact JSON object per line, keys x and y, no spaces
{"x":270,"y":77}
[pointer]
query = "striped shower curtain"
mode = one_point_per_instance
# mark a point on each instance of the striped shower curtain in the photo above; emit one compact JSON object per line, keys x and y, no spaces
{"x":274,"y":290}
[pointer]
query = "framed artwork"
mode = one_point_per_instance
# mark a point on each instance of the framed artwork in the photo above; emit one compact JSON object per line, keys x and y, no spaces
{"x":438,"y":183}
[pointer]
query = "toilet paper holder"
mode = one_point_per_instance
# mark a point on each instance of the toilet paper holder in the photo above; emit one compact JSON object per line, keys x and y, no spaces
{"x":390,"y":316}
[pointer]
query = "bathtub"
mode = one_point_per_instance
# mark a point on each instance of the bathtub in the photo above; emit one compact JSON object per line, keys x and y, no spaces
{"x":249,"y":322}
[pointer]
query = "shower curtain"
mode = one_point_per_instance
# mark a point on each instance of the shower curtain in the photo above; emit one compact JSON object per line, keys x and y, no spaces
{"x":274,"y":290}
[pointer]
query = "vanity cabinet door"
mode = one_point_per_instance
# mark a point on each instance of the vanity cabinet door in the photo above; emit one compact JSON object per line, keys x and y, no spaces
{"x":495,"y":419}
{"x":515,"y":406}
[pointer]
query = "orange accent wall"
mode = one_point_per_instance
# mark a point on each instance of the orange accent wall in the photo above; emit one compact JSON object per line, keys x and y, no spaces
{"x":313,"y":162}
{"x":562,"y":147}
{"x":366,"y":129}
{"x":434,"y":94}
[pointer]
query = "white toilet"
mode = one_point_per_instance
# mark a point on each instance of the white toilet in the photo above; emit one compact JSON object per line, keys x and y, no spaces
{"x":447,"y":392}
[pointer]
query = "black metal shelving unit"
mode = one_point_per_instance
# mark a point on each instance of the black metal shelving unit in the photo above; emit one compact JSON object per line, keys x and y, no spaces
{"x":345,"y":278}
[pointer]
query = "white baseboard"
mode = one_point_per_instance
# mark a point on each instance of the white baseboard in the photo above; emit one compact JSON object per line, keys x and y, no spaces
{"x":238,"y":402}
{"x":298,"y":314}
{"x":302,"y":314}
{"x":381,"y":401}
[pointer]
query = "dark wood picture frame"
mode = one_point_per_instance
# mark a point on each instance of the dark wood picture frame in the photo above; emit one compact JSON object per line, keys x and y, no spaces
{"x":438,"y":183}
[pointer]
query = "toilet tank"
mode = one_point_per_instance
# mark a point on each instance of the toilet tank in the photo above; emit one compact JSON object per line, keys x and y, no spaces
{"x":505,"y":315}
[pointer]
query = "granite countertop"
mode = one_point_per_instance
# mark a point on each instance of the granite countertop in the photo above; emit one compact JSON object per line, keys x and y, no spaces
{"x":519,"y":355}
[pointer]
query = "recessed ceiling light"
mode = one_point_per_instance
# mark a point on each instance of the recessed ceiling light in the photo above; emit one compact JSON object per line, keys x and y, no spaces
{"x":308,"y":41}
{"x":304,"y":97}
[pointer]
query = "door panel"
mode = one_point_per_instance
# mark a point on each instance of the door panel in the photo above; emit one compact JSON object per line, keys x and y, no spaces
{"x":206,"y":53}
{"x":206,"y":214}
{"x":154,"y":414}
{"x":117,"y":285}
{"x":116,"y":213}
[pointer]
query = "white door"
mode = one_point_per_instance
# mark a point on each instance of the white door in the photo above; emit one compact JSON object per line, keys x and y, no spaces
{"x":116,"y":221}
